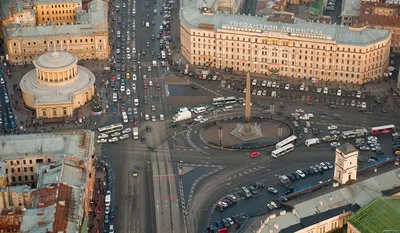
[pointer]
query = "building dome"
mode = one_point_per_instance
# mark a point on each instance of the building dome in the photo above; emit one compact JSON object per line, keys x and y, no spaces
{"x":57,"y":85}
{"x":56,"y":60}
{"x":57,"y":68}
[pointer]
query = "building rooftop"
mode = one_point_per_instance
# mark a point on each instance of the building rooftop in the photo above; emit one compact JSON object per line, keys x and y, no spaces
{"x":282,"y":221}
{"x":10,"y":218}
{"x":368,"y":14}
{"x":55,"y":144}
{"x":316,"y":218}
{"x":56,"y":1}
{"x":97,"y":16}
{"x":347,"y":148}
{"x":66,"y":171}
{"x":7,"y":6}
{"x":38,"y":220}
{"x":192,"y":17}
{"x":380,"y":215}
{"x":351,"y":8}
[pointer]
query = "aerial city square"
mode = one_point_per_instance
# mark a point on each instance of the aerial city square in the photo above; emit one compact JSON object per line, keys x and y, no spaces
{"x":200,"y":116}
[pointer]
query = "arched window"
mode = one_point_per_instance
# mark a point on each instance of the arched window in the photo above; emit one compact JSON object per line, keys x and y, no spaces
{"x":54,"y":112}
{"x":64,"y":111}
{"x":44,"y":113}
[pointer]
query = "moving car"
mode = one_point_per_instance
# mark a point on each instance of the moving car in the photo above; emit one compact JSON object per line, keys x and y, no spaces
{"x":134,"y":173}
{"x":272,"y":190}
{"x":255,"y":154}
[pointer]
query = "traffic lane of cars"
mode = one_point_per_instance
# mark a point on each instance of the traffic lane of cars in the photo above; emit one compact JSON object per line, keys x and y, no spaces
{"x":7,"y":118}
{"x":261,"y":201}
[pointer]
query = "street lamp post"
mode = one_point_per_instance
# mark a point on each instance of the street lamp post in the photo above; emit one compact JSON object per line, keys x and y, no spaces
{"x":220,"y":131}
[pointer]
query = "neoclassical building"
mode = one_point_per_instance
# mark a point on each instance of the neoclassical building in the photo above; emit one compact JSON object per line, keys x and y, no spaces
{"x":57,"y":85}
{"x":282,"y":44}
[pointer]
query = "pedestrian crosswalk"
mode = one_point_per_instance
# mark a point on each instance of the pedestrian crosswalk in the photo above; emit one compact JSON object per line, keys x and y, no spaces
{"x":201,"y":165}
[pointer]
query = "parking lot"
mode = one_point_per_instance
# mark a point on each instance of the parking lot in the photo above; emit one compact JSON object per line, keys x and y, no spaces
{"x":7,"y":119}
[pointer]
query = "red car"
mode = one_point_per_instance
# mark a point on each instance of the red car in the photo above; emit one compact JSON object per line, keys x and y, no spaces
{"x":119,"y":19}
{"x":308,"y":98}
{"x":255,"y":154}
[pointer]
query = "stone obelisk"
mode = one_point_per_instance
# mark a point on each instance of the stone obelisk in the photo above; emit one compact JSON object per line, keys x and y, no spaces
{"x":247,"y":111}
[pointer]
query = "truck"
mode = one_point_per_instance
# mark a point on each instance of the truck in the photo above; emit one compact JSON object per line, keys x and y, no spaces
{"x":330,"y":138}
{"x":154,"y":63}
{"x":135,"y":132}
{"x":185,"y":115}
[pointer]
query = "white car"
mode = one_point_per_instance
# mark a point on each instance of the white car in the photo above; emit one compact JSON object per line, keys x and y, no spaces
{"x":223,"y":204}
{"x":339,"y":93}
{"x":133,"y":50}
{"x":287,"y":86}
{"x":264,"y":83}
{"x":332,"y":127}
{"x":319,"y":90}
{"x":133,"y":86}
{"x":364,"y":105}
{"x":135,"y":111}
{"x":122,"y":89}
{"x":273,"y":84}
{"x":150,"y":83}
{"x":272,"y":190}
{"x":127,"y":130}
{"x":259,"y":92}
{"x":134,"y":77}
{"x":114,"y":139}
{"x":155,"y":11}
{"x":128,"y":56}
{"x":300,"y":173}
{"x":128,"y":92}
{"x":204,"y":120}
{"x":107,"y":210}
{"x":269,"y":84}
{"x":103,"y":140}
{"x":161,"y":117}
{"x":230,"y":221}
{"x":153,"y":118}
{"x":302,"y":88}
{"x":149,"y":68}
{"x":125,"y":136}
{"x":146,"y":117}
{"x":198,"y":118}
{"x":102,"y":135}
{"x":116,"y":134}
{"x":299,"y":110}
{"x":372,"y":138}
{"x":335,"y":144}
{"x":305,"y":130}
{"x":323,"y":166}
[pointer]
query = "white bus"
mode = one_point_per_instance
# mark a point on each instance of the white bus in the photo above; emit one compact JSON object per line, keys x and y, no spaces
{"x":111,"y":128}
{"x":283,"y":150}
{"x":224,"y":100}
{"x":291,"y":139}
{"x":354,"y":133}
{"x":124,"y":117}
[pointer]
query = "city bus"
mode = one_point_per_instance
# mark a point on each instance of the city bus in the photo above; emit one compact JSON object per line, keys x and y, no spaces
{"x":354,"y":133}
{"x":383,"y":129}
{"x":111,"y":128}
{"x":283,"y":150}
{"x":124,"y":117}
{"x":291,"y":139}
{"x":224,"y":100}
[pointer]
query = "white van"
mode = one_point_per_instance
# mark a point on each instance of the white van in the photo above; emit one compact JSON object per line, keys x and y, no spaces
{"x":227,"y":108}
{"x":115,"y":97}
{"x":312,"y":141}
{"x":199,"y":110}
{"x":136,"y":102}
{"x":246,"y":191}
{"x":108,"y":200}
{"x":163,"y":54}
{"x":325,"y":91}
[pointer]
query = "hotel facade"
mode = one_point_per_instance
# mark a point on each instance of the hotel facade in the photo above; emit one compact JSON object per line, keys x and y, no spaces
{"x":283,"y":45}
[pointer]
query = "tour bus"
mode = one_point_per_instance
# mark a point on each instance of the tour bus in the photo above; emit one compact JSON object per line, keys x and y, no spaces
{"x":111,"y":128}
{"x":283,"y":150}
{"x":246,"y":191}
{"x":291,"y":139}
{"x":163,"y":54}
{"x":378,"y":130}
{"x":115,"y":97}
{"x":136,"y":102}
{"x":354,"y":133}
{"x":124,"y":117}
{"x":224,"y":100}
{"x":312,"y":141}
{"x":199,"y":110}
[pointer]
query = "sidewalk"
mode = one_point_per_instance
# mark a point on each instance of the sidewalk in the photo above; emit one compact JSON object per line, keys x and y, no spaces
{"x":96,"y":216}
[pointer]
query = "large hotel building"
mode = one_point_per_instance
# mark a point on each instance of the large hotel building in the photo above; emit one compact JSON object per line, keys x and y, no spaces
{"x":282,"y":44}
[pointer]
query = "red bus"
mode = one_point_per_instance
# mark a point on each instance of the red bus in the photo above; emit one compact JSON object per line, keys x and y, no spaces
{"x":383,"y":129}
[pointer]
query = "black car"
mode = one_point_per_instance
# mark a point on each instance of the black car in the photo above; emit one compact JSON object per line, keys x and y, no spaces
{"x":253,"y":191}
{"x":143,"y":139}
{"x":148,"y":128}
{"x":112,"y":214}
{"x":153,"y":148}
{"x":296,"y":175}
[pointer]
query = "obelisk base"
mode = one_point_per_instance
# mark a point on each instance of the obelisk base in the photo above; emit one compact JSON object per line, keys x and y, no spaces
{"x":254,"y":133}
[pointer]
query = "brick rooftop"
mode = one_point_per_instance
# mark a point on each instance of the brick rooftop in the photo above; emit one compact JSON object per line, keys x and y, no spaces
{"x":367,"y":15}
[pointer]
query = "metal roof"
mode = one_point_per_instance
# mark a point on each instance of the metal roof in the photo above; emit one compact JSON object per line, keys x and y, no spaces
{"x":383,"y":214}
{"x":191,"y":15}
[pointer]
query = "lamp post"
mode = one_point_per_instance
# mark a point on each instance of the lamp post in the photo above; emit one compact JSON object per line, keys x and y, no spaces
{"x":220,"y":131}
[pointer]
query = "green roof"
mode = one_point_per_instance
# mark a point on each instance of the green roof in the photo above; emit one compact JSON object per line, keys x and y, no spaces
{"x":380,"y":215}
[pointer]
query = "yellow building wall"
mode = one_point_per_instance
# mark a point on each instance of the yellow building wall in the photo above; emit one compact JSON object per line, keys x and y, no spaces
{"x":56,"y":13}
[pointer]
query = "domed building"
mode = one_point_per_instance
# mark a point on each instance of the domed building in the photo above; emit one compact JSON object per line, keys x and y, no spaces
{"x":57,"y":85}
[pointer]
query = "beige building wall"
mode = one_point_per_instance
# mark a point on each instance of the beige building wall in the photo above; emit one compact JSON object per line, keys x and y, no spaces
{"x":63,"y":13}
{"x":22,"y":170}
{"x":345,"y":166}
{"x":291,"y":57}
{"x":352,"y":229}
{"x":328,"y":225}
{"x":8,"y":198}
{"x":25,"y":50}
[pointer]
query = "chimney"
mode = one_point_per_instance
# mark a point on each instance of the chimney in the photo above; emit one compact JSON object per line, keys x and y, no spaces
{"x":62,"y":203}
{"x":40,"y":213}
{"x":41,"y":205}
{"x":41,"y":223}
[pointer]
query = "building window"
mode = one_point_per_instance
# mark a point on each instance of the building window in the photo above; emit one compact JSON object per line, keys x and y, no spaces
{"x":64,"y":111}
{"x":43,"y":114}
{"x":54,"y":112}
